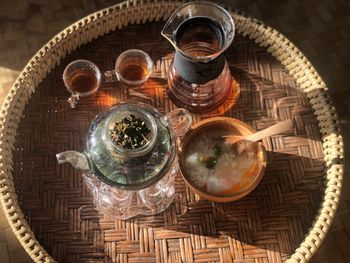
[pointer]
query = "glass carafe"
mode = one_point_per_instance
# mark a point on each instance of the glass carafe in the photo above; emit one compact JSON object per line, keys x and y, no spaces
{"x":199,"y":77}
{"x":127,"y":182}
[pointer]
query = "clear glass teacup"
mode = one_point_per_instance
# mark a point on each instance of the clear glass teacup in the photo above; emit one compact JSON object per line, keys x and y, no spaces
{"x":82,"y":77}
{"x":133,"y":68}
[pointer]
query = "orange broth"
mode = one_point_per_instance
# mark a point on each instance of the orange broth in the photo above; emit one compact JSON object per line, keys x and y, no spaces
{"x":215,"y":167}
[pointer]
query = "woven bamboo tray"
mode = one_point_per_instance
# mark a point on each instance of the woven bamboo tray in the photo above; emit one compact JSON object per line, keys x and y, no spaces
{"x":285,"y":218}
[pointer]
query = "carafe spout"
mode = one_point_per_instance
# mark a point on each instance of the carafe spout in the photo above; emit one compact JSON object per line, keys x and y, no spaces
{"x":76,"y":159}
{"x":167,"y":33}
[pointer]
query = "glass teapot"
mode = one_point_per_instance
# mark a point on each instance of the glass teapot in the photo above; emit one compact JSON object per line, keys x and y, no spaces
{"x":199,"y":77}
{"x":125,"y":180}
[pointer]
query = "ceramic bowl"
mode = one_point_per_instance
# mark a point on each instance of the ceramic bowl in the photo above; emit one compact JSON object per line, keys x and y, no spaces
{"x":226,"y":126}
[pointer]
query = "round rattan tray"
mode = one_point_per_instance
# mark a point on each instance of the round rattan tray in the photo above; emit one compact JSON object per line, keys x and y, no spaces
{"x":285,"y":218}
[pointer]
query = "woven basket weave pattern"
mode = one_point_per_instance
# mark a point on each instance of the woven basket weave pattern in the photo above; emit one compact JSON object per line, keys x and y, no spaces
{"x":131,"y":12}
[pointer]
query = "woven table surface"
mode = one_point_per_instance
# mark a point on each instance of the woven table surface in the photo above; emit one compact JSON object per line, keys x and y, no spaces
{"x":265,"y":226}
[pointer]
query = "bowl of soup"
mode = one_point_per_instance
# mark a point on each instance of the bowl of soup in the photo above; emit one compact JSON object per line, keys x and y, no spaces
{"x":213,"y":168}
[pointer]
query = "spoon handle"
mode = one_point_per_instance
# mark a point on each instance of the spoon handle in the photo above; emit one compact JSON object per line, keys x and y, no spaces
{"x":279,"y":128}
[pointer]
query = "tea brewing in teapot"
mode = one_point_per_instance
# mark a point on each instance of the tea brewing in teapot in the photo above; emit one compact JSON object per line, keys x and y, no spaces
{"x":199,"y":77}
{"x":129,"y":161}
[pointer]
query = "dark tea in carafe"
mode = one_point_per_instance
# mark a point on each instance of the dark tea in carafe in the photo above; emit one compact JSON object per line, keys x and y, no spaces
{"x":199,"y":36}
{"x":82,"y":81}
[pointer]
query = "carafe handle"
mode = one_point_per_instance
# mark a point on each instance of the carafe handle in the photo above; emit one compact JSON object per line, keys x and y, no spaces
{"x":180,"y":120}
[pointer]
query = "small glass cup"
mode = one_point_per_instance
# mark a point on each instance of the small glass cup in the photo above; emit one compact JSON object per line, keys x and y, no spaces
{"x":133,"y":68}
{"x":82,"y":78}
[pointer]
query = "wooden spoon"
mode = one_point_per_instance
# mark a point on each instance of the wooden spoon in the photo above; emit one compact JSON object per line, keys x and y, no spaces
{"x":241,"y":142}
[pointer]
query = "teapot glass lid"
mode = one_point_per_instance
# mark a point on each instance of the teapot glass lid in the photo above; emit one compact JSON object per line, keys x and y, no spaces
{"x":130,"y":146}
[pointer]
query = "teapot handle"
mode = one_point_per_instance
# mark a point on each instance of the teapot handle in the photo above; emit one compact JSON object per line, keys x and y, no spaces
{"x":180,"y":120}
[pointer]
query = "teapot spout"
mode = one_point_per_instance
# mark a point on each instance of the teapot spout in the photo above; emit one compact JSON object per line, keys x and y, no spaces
{"x":76,"y":159}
